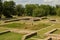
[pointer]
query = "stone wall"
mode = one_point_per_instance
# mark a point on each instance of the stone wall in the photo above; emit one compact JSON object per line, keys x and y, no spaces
{"x":3,"y":32}
{"x":53,"y":36}
{"x":29,"y":35}
{"x":48,"y":33}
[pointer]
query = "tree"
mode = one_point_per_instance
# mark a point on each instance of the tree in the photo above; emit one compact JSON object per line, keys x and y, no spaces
{"x":19,"y":10}
{"x":47,"y":9}
{"x":29,"y":8}
{"x":57,"y":6}
{"x":39,"y":12}
{"x":58,"y":12}
{"x":1,"y":8}
{"x":8,"y":9}
{"x":52,"y":11}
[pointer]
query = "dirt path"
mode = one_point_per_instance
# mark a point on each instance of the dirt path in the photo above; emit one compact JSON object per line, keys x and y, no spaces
{"x":19,"y":30}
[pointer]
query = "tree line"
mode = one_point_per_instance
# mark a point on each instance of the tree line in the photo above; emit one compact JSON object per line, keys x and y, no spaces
{"x":10,"y":9}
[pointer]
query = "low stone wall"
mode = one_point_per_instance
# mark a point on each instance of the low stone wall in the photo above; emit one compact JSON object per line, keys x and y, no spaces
{"x":44,"y":18}
{"x":25,"y":19}
{"x":29,"y":35}
{"x":3,"y":32}
{"x":50,"y":32}
{"x":16,"y":20}
{"x":12,"y":20}
{"x":53,"y":36}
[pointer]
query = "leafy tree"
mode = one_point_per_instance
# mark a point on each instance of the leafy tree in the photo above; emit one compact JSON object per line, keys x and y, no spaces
{"x":1,"y":8}
{"x":57,"y":6}
{"x":58,"y":12}
{"x":19,"y":10}
{"x":52,"y":11}
{"x":8,"y":8}
{"x":46,"y":8}
{"x":29,"y":9}
{"x":39,"y":12}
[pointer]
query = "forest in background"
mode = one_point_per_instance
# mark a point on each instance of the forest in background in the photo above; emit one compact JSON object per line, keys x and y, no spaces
{"x":9,"y":9}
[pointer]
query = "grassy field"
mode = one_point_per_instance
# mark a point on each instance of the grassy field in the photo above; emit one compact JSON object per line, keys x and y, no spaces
{"x":42,"y":25}
{"x":41,"y":33}
{"x":11,"y":36}
{"x":14,"y":25}
{"x":26,"y":26}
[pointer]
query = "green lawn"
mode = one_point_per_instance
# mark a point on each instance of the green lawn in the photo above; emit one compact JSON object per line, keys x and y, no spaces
{"x":11,"y":36}
{"x":26,"y":26}
{"x":14,"y":25}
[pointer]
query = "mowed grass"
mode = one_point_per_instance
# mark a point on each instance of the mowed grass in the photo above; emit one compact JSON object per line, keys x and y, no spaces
{"x":14,"y":25}
{"x":11,"y":36}
{"x":26,"y":26}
